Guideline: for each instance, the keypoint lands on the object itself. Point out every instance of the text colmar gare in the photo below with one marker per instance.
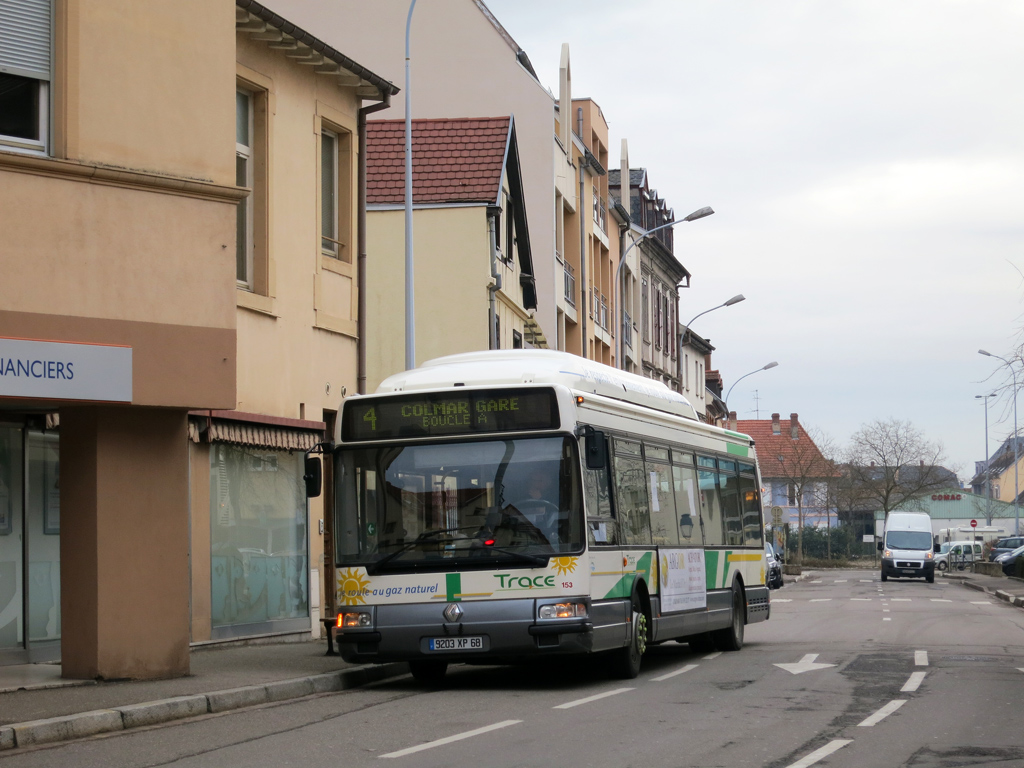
(457, 414)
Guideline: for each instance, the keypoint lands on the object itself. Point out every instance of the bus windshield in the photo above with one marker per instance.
(458, 504)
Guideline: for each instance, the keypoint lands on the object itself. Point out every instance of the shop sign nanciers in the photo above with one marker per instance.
(55, 370)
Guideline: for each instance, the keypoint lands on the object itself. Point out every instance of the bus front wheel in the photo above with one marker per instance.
(629, 658)
(428, 672)
(731, 638)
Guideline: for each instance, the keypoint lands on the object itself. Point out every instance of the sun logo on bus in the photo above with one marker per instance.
(564, 565)
(352, 587)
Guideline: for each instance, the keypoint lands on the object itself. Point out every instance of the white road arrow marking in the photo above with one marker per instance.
(806, 664)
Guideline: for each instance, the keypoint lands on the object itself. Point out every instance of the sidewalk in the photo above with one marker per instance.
(45, 708)
(1009, 589)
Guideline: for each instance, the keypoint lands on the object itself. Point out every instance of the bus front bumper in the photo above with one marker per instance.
(498, 629)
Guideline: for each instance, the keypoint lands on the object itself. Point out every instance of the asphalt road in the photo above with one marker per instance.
(897, 674)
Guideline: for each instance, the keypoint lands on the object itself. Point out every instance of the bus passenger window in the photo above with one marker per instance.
(664, 526)
(728, 485)
(684, 480)
(631, 496)
(601, 527)
(711, 505)
(750, 502)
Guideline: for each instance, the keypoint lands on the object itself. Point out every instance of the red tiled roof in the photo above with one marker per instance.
(770, 447)
(453, 161)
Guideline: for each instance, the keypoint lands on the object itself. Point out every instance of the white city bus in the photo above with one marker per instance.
(497, 507)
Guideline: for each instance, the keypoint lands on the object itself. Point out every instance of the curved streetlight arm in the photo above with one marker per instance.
(725, 400)
(698, 214)
(734, 300)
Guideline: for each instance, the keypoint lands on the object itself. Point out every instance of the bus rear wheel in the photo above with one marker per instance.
(628, 659)
(731, 638)
(428, 672)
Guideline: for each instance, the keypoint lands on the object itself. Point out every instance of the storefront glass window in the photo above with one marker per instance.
(11, 519)
(258, 538)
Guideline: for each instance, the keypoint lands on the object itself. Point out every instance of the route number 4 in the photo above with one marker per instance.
(371, 416)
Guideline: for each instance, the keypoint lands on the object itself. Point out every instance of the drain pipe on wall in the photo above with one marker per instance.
(493, 211)
(361, 242)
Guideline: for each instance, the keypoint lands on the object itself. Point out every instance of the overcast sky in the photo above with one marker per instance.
(866, 164)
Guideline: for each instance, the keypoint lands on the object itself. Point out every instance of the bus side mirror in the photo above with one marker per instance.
(594, 445)
(313, 477)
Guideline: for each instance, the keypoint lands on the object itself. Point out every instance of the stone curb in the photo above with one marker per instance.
(83, 724)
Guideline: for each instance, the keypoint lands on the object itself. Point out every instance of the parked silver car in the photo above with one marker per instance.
(773, 568)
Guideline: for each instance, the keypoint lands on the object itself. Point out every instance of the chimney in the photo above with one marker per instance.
(922, 463)
(732, 420)
(793, 431)
(872, 463)
(776, 427)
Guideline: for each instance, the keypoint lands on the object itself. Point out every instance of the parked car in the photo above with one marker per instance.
(1009, 560)
(1004, 546)
(773, 569)
(957, 554)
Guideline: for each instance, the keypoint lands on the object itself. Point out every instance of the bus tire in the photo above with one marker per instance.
(628, 658)
(731, 638)
(428, 672)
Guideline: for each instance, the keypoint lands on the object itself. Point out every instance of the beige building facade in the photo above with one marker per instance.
(180, 316)
(463, 64)
(117, 207)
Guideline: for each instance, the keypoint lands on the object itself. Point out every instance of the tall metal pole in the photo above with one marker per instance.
(988, 489)
(410, 304)
(1016, 455)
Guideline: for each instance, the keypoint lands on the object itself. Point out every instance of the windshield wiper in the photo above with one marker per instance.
(374, 568)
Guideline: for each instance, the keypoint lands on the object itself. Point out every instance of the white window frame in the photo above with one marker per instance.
(329, 244)
(246, 152)
(33, 146)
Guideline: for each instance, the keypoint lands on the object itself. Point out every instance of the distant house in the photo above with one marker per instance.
(474, 273)
(794, 473)
(1000, 472)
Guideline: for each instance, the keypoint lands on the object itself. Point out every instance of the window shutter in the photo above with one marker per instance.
(25, 38)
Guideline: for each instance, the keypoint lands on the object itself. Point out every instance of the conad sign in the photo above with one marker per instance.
(57, 370)
(945, 497)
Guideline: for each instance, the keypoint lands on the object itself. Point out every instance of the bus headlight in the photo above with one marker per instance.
(563, 611)
(354, 619)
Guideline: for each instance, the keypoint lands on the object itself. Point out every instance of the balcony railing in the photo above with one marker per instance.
(570, 283)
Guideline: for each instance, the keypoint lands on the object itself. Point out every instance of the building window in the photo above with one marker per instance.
(792, 495)
(645, 309)
(244, 134)
(24, 75)
(686, 373)
(329, 193)
(517, 340)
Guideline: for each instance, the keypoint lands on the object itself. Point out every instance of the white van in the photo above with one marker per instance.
(907, 546)
(958, 554)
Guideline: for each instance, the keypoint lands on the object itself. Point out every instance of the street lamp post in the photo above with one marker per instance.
(1016, 481)
(728, 303)
(988, 492)
(700, 213)
(772, 364)
(410, 310)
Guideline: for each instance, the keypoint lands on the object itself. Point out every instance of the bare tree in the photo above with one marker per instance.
(890, 462)
(810, 472)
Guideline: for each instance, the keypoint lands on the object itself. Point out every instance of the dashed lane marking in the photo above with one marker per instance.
(916, 678)
(450, 739)
(679, 671)
(883, 713)
(862, 599)
(940, 600)
(901, 599)
(588, 699)
(819, 754)
(886, 619)
(711, 656)
(920, 658)
(783, 600)
(840, 581)
(821, 599)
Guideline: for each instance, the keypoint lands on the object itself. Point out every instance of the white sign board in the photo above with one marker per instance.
(56, 370)
(683, 580)
(868, 537)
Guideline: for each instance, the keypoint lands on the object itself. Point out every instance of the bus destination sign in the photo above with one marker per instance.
(446, 413)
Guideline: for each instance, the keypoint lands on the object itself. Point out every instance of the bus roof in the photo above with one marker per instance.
(504, 367)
